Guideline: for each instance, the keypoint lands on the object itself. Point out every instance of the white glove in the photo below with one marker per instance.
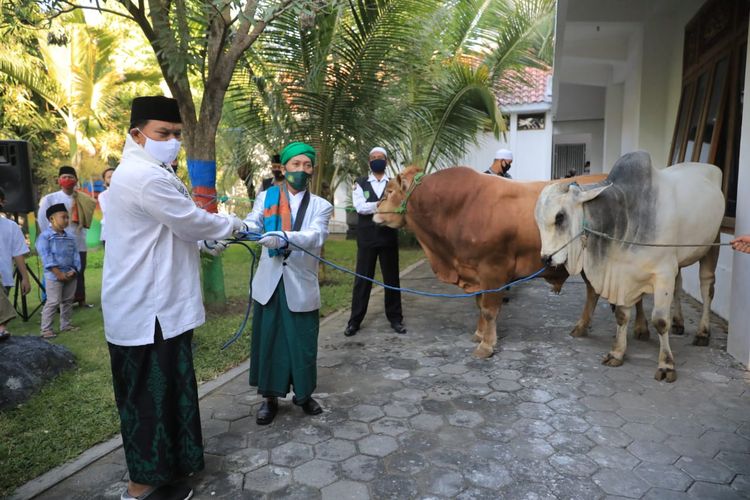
(213, 247)
(237, 225)
(273, 239)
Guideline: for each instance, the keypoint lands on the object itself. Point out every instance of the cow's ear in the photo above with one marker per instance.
(582, 196)
(403, 183)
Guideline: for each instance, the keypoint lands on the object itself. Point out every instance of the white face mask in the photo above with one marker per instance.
(164, 151)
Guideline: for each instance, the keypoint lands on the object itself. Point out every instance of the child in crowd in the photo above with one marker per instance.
(59, 253)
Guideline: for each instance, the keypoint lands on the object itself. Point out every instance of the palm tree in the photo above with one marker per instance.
(417, 76)
(468, 61)
(75, 75)
(321, 78)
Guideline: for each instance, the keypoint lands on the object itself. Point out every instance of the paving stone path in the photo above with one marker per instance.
(416, 416)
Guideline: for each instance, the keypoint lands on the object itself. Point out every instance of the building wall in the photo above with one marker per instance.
(532, 151)
(342, 198)
(612, 127)
(661, 79)
(738, 344)
(590, 132)
(580, 102)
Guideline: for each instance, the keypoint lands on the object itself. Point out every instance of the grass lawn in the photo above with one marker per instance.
(77, 410)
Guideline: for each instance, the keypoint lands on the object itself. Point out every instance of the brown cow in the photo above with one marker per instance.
(478, 232)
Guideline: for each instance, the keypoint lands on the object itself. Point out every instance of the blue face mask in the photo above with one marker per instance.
(377, 166)
(298, 180)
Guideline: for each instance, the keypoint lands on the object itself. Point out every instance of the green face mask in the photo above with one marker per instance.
(298, 180)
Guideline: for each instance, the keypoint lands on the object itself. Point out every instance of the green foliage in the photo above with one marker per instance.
(77, 410)
(416, 76)
(72, 85)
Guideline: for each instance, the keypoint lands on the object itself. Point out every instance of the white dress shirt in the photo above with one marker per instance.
(103, 206)
(79, 234)
(151, 261)
(12, 244)
(359, 200)
(299, 270)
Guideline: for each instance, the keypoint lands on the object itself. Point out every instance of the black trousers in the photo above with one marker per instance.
(80, 295)
(366, 259)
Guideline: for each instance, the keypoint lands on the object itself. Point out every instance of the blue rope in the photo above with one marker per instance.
(241, 329)
(250, 236)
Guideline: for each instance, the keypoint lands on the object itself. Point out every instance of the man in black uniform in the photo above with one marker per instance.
(374, 242)
(501, 164)
(278, 175)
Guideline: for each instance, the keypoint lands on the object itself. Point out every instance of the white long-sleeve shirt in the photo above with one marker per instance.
(72, 229)
(151, 261)
(361, 205)
(103, 197)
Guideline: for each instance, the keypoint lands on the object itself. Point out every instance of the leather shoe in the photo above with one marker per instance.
(398, 327)
(267, 411)
(311, 407)
(350, 330)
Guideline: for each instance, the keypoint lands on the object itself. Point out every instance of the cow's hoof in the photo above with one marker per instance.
(476, 338)
(483, 352)
(701, 340)
(641, 333)
(668, 375)
(610, 360)
(678, 329)
(579, 331)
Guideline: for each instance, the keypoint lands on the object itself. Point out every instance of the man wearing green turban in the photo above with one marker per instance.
(286, 295)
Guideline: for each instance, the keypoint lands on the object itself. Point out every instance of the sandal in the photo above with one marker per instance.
(48, 335)
(70, 328)
(4, 335)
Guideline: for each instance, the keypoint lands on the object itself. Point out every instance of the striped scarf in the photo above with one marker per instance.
(277, 215)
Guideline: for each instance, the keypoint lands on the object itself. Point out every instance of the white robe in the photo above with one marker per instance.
(151, 263)
(102, 199)
(299, 270)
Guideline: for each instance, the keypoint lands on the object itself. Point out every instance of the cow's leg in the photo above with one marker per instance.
(661, 318)
(582, 327)
(708, 278)
(481, 323)
(617, 354)
(678, 322)
(641, 324)
(489, 309)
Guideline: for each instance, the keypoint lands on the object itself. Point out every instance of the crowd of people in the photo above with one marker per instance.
(151, 295)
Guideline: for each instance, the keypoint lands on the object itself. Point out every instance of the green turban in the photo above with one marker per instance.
(297, 148)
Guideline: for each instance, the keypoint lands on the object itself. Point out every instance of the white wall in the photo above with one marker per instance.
(612, 126)
(590, 132)
(661, 79)
(580, 102)
(341, 199)
(532, 151)
(631, 97)
(738, 344)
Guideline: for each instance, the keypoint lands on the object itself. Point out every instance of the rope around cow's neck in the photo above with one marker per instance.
(587, 229)
(402, 208)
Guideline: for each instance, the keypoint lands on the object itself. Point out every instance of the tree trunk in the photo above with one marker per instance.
(200, 145)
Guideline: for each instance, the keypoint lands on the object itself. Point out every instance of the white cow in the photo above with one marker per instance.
(682, 204)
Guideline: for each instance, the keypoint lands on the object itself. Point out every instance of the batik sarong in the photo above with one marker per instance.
(157, 399)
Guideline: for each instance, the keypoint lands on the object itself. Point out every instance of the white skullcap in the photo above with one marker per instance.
(504, 154)
(378, 149)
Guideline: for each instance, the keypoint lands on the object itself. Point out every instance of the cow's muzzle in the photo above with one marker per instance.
(547, 260)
